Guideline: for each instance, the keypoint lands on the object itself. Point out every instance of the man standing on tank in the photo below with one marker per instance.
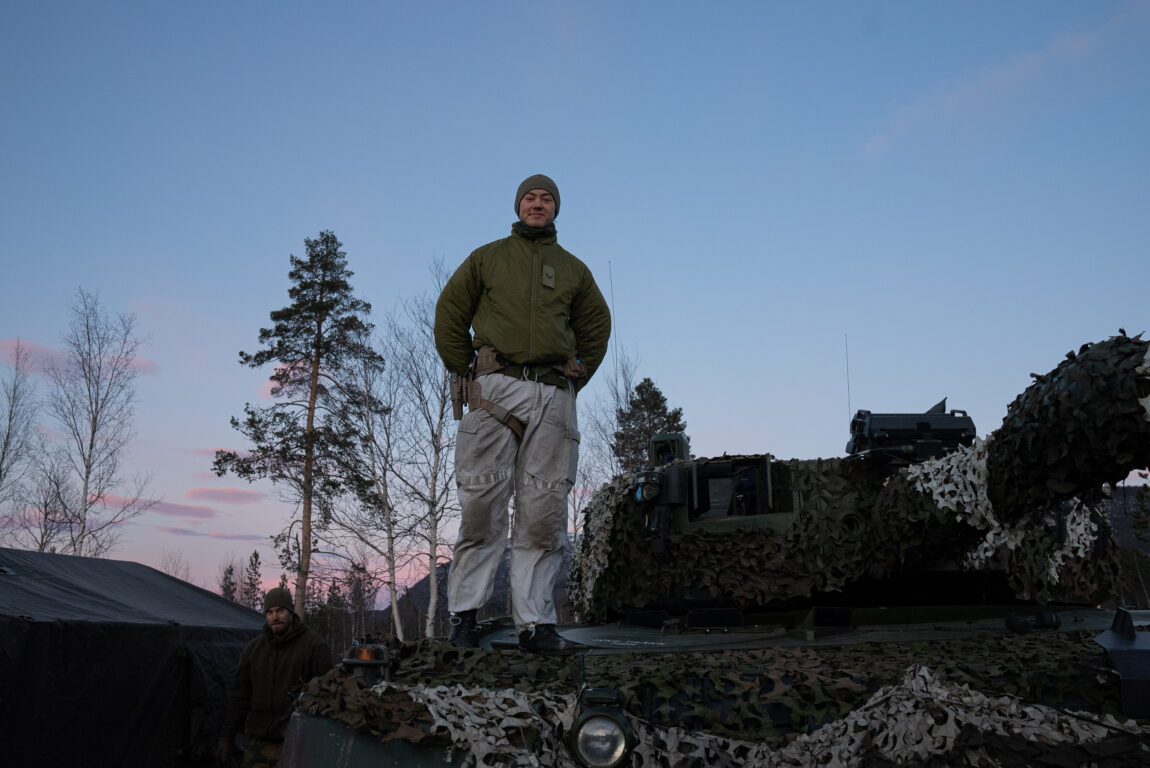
(541, 329)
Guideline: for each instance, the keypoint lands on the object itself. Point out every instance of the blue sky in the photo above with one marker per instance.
(956, 193)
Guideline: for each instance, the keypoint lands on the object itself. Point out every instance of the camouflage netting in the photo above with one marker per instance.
(1043, 698)
(389, 714)
(922, 722)
(1084, 423)
(825, 548)
(1050, 554)
(1036, 699)
(850, 527)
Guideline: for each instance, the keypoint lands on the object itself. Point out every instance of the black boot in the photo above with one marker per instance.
(464, 633)
(546, 641)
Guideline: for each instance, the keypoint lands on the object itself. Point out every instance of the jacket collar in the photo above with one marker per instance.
(545, 234)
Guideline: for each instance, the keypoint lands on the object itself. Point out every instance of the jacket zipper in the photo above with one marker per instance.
(536, 259)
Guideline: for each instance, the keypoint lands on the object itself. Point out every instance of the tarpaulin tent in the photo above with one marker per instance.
(106, 662)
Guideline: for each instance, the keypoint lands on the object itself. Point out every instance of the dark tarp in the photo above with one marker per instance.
(106, 662)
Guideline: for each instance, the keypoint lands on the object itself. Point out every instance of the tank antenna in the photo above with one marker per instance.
(847, 352)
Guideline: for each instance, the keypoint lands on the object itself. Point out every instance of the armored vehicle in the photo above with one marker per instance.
(931, 598)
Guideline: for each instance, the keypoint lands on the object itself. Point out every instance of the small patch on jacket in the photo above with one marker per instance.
(548, 276)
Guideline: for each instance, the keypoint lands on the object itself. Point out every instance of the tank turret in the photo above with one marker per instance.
(918, 496)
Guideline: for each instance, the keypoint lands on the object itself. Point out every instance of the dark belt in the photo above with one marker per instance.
(489, 360)
(541, 373)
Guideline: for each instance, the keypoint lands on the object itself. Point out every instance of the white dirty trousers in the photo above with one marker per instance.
(490, 465)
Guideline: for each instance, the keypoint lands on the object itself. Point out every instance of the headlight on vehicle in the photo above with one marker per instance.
(368, 660)
(601, 736)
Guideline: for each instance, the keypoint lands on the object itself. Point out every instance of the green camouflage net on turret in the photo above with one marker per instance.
(1049, 555)
(852, 526)
(615, 568)
(1003, 503)
(1023, 698)
(1080, 425)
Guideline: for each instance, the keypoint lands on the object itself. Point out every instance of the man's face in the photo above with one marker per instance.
(537, 208)
(279, 619)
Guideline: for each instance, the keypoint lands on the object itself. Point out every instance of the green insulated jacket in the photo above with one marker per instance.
(531, 300)
(271, 673)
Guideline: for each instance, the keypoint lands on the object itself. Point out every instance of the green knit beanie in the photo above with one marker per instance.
(538, 181)
(278, 597)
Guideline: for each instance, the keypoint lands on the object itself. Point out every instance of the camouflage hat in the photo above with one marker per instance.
(278, 597)
(538, 181)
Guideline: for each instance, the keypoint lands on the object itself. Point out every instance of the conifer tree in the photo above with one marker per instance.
(645, 414)
(312, 341)
(228, 584)
(251, 590)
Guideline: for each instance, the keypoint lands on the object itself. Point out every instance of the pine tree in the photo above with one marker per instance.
(335, 599)
(228, 584)
(361, 594)
(296, 444)
(251, 590)
(646, 414)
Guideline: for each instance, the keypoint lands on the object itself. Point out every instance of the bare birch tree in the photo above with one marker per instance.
(17, 430)
(91, 399)
(175, 564)
(367, 519)
(424, 471)
(598, 418)
(38, 519)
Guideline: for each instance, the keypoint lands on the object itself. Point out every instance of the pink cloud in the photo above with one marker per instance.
(213, 534)
(226, 495)
(167, 508)
(163, 306)
(145, 366)
(40, 356)
(182, 510)
(50, 434)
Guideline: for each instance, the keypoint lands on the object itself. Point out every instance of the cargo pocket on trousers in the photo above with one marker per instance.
(476, 463)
